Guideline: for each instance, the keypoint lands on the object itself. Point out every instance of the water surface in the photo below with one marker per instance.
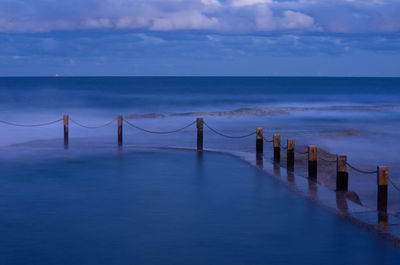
(357, 117)
(168, 207)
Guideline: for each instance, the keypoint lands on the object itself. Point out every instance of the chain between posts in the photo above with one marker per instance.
(159, 132)
(182, 128)
(394, 185)
(92, 127)
(328, 161)
(228, 136)
(360, 170)
(30, 125)
(301, 153)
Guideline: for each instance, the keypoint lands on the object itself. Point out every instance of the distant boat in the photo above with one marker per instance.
(57, 75)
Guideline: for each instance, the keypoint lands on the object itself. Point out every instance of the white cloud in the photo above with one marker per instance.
(240, 3)
(211, 2)
(295, 20)
(186, 20)
(230, 16)
(265, 18)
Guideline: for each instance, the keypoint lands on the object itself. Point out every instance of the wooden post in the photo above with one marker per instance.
(200, 123)
(342, 176)
(259, 141)
(120, 119)
(277, 148)
(290, 155)
(383, 181)
(66, 136)
(312, 162)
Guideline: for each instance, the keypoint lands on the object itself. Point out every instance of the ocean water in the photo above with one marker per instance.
(358, 117)
(168, 207)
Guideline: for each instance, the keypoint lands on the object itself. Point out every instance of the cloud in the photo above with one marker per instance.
(152, 53)
(184, 21)
(229, 16)
(240, 3)
(211, 2)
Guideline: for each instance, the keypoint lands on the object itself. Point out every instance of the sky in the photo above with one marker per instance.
(200, 37)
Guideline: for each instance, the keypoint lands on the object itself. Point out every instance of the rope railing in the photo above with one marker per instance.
(30, 125)
(328, 160)
(268, 141)
(302, 153)
(361, 170)
(394, 185)
(228, 136)
(342, 175)
(159, 132)
(92, 127)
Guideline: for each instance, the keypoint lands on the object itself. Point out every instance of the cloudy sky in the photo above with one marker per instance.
(200, 37)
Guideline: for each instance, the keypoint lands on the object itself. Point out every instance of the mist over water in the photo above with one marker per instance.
(358, 117)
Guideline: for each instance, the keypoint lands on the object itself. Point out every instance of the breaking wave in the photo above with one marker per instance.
(268, 111)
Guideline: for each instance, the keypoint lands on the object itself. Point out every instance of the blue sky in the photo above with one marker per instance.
(200, 37)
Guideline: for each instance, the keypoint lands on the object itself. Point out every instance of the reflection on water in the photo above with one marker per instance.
(313, 188)
(168, 207)
(290, 175)
(341, 201)
(277, 169)
(260, 160)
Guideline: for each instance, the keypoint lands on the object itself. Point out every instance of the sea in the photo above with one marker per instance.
(154, 200)
(155, 207)
(357, 117)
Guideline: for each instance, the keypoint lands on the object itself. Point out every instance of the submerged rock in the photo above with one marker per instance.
(352, 196)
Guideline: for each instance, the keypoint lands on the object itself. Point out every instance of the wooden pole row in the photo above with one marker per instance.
(66, 131)
(342, 176)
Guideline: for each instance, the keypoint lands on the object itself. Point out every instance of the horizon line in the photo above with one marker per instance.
(193, 76)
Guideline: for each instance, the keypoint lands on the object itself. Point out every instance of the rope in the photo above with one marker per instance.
(394, 185)
(229, 136)
(269, 141)
(284, 147)
(328, 161)
(158, 132)
(92, 127)
(302, 153)
(30, 125)
(360, 170)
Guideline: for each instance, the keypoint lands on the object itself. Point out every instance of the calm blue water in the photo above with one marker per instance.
(358, 117)
(168, 207)
(185, 94)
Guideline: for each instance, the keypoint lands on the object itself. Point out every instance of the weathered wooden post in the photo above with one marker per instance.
(383, 181)
(290, 155)
(312, 162)
(342, 176)
(259, 141)
(277, 148)
(200, 123)
(66, 136)
(120, 119)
